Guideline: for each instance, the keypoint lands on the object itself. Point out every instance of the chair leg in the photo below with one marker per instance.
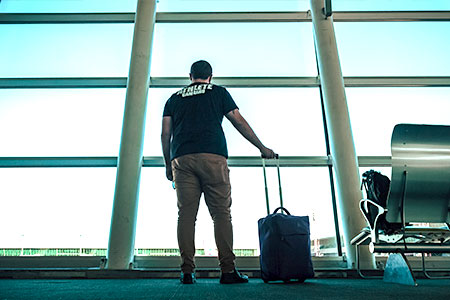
(398, 270)
(427, 275)
(358, 267)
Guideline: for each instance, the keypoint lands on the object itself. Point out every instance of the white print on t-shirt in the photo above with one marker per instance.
(195, 90)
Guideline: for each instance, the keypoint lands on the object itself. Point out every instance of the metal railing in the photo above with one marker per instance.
(158, 161)
(222, 17)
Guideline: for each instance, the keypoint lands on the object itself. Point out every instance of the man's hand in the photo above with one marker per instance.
(169, 174)
(268, 153)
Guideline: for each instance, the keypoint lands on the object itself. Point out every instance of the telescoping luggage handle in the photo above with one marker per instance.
(277, 158)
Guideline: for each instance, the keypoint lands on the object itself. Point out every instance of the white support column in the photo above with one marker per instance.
(124, 214)
(341, 139)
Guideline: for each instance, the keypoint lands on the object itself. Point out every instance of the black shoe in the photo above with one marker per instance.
(187, 278)
(234, 277)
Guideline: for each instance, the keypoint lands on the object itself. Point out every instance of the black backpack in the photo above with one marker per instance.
(377, 189)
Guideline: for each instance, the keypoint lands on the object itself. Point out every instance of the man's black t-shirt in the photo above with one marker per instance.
(197, 112)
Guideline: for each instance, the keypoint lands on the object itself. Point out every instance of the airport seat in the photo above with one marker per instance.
(418, 204)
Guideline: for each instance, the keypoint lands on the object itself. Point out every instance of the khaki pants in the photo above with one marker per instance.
(195, 174)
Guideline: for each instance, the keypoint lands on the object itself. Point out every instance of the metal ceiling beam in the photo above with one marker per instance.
(63, 83)
(397, 81)
(66, 18)
(255, 161)
(161, 82)
(57, 162)
(374, 161)
(231, 82)
(155, 82)
(235, 17)
(157, 161)
(391, 16)
(221, 17)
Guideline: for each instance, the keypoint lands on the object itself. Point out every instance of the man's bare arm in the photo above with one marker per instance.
(244, 128)
(166, 137)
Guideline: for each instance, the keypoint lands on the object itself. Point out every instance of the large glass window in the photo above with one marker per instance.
(375, 111)
(69, 122)
(67, 6)
(288, 120)
(39, 6)
(69, 209)
(103, 50)
(155, 106)
(54, 6)
(65, 50)
(55, 208)
(235, 49)
(231, 5)
(389, 5)
(305, 192)
(394, 48)
(157, 218)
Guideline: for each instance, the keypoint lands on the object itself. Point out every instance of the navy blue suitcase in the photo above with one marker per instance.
(284, 242)
(285, 247)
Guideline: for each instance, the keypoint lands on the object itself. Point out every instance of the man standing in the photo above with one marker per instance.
(195, 154)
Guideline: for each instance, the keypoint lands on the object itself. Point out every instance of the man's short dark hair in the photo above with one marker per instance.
(201, 70)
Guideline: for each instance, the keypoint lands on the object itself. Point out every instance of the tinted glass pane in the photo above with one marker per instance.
(156, 100)
(56, 208)
(157, 218)
(375, 111)
(66, 6)
(388, 5)
(65, 50)
(67, 122)
(103, 50)
(287, 120)
(394, 48)
(235, 49)
(306, 191)
(232, 5)
(39, 6)
(303, 194)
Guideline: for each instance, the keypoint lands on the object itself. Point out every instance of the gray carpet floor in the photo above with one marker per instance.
(88, 289)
